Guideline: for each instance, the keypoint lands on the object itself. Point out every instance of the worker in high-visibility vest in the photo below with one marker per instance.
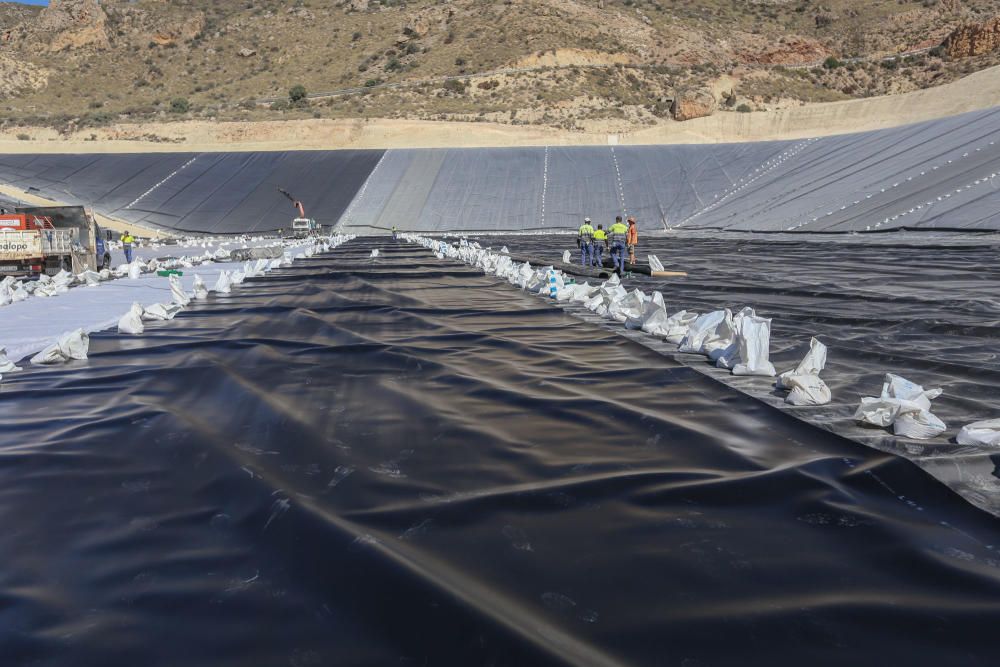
(585, 241)
(616, 240)
(394, 232)
(128, 242)
(600, 243)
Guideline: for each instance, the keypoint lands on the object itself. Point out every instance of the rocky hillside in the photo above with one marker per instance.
(568, 63)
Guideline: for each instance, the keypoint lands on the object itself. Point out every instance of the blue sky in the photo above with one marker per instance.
(31, 2)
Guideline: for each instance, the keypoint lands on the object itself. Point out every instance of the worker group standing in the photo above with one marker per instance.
(128, 243)
(593, 242)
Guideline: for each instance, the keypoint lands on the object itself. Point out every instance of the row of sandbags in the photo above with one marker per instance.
(132, 321)
(739, 342)
(74, 345)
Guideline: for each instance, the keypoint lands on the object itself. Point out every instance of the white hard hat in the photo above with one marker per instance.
(586, 219)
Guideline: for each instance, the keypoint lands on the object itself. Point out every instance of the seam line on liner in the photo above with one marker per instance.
(545, 182)
(618, 175)
(361, 193)
(169, 176)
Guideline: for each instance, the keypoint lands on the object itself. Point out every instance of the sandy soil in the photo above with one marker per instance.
(977, 91)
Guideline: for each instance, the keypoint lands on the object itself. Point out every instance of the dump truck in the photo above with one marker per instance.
(50, 239)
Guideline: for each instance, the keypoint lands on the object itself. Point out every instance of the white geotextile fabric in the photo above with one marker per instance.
(905, 406)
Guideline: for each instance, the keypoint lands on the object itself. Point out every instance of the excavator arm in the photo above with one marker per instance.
(295, 202)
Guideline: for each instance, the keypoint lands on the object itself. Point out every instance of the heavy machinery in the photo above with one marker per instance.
(301, 226)
(50, 239)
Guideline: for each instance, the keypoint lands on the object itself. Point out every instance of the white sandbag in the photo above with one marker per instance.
(905, 406)
(19, 293)
(177, 293)
(652, 308)
(91, 278)
(199, 289)
(984, 433)
(807, 388)
(71, 345)
(104, 274)
(703, 328)
(631, 306)
(131, 322)
(676, 328)
(160, 311)
(5, 295)
(6, 365)
(222, 285)
(811, 364)
(134, 270)
(567, 256)
(654, 263)
(64, 277)
(754, 338)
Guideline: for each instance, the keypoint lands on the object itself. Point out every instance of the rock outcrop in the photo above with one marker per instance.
(65, 24)
(974, 39)
(694, 103)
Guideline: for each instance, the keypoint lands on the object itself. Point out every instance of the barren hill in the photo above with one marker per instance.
(583, 65)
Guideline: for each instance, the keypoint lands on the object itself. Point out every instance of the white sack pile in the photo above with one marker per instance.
(69, 346)
(904, 405)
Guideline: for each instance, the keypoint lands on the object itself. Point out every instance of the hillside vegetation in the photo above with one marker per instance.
(574, 64)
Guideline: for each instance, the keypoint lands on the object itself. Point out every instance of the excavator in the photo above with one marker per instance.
(301, 226)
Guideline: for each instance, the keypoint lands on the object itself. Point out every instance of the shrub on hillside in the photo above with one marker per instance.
(180, 105)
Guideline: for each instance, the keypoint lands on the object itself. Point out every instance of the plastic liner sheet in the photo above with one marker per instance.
(200, 192)
(401, 461)
(927, 309)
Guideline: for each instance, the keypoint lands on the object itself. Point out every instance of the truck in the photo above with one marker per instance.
(301, 226)
(51, 239)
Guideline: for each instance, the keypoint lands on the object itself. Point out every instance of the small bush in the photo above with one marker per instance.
(455, 86)
(180, 105)
(832, 63)
(392, 65)
(280, 105)
(356, 36)
(460, 62)
(24, 137)
(371, 83)
(744, 108)
(297, 94)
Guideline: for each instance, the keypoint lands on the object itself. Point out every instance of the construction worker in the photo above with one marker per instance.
(600, 243)
(616, 241)
(585, 242)
(128, 241)
(631, 239)
(394, 232)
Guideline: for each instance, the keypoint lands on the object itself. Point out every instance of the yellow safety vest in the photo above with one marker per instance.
(600, 235)
(586, 232)
(617, 232)
(128, 240)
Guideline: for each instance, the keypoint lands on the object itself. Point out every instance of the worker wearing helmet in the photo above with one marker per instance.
(631, 239)
(128, 242)
(600, 243)
(394, 232)
(585, 242)
(616, 240)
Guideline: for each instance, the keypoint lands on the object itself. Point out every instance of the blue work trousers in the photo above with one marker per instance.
(618, 256)
(586, 252)
(128, 254)
(597, 256)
